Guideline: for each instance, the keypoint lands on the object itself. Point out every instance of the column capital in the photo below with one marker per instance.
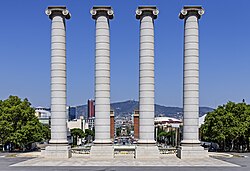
(97, 11)
(52, 11)
(191, 10)
(146, 10)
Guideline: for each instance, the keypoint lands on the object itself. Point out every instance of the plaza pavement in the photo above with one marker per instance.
(169, 160)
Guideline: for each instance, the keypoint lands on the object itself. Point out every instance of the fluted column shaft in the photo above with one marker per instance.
(191, 78)
(58, 76)
(102, 80)
(58, 81)
(146, 85)
(102, 77)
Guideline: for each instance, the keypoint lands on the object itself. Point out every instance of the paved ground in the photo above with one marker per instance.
(241, 159)
(171, 164)
(169, 160)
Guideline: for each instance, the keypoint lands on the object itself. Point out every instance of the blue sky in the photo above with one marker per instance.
(224, 51)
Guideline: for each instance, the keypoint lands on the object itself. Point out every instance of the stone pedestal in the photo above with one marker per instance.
(57, 151)
(186, 152)
(102, 152)
(147, 152)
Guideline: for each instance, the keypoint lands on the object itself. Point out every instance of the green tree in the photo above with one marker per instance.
(76, 133)
(46, 132)
(162, 135)
(166, 137)
(118, 131)
(18, 123)
(5, 126)
(229, 126)
(89, 135)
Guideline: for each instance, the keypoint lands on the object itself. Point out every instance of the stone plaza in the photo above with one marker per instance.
(166, 161)
(103, 147)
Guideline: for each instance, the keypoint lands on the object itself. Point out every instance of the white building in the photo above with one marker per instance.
(167, 121)
(43, 115)
(77, 123)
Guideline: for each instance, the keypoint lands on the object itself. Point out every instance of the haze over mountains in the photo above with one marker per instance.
(126, 108)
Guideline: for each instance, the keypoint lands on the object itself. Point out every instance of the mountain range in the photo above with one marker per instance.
(126, 108)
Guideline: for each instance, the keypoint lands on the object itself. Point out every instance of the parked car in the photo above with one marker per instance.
(214, 147)
(211, 146)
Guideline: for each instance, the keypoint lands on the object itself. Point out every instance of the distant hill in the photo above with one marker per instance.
(127, 108)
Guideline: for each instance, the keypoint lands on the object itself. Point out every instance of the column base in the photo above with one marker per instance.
(189, 151)
(57, 151)
(102, 151)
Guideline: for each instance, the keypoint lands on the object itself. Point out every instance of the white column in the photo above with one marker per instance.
(102, 74)
(190, 145)
(146, 15)
(58, 74)
(191, 76)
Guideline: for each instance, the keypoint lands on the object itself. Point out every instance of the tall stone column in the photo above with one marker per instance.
(58, 144)
(102, 82)
(190, 145)
(146, 15)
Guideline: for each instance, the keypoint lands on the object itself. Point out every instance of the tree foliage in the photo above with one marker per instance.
(229, 126)
(165, 137)
(89, 135)
(18, 123)
(89, 132)
(77, 133)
